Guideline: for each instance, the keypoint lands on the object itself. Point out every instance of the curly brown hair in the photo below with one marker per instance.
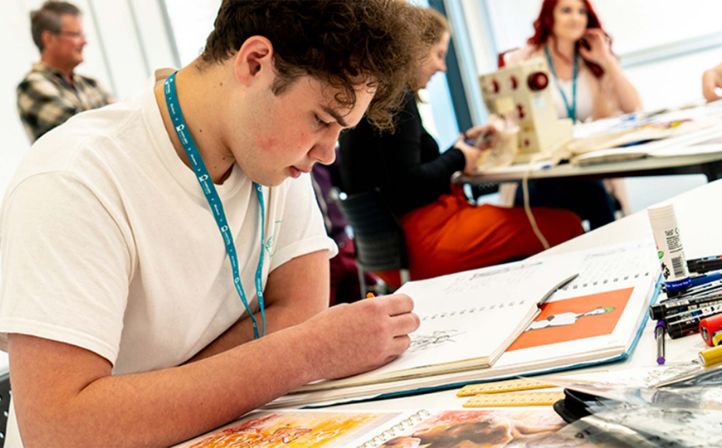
(343, 43)
(431, 25)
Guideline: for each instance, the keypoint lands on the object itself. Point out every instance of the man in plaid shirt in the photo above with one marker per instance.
(52, 93)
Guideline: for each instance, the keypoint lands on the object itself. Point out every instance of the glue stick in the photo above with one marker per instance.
(669, 247)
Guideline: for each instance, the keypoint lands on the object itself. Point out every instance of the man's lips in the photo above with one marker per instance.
(296, 172)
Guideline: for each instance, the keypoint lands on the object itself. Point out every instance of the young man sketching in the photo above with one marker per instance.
(137, 238)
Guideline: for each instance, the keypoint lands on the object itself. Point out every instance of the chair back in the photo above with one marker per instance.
(4, 405)
(378, 236)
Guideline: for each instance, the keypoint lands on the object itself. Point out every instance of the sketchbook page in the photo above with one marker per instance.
(467, 319)
(598, 315)
(299, 429)
(475, 428)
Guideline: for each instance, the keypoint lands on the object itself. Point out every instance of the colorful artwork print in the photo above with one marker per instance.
(497, 428)
(574, 319)
(290, 430)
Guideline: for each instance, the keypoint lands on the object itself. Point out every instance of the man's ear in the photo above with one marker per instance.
(254, 60)
(46, 37)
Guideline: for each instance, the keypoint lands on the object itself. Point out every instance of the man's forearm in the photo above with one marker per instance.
(295, 292)
(278, 317)
(164, 407)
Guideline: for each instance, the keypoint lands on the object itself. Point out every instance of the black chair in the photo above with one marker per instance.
(378, 236)
(4, 404)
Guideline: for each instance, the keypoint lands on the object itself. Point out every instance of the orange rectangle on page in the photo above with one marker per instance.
(575, 318)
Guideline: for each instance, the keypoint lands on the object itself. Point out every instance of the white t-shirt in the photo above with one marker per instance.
(108, 243)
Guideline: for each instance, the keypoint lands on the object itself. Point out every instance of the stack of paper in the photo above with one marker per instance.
(666, 134)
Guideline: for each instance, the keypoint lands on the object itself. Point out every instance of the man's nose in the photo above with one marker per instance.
(325, 151)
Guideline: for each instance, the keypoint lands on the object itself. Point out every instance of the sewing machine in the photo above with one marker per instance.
(522, 94)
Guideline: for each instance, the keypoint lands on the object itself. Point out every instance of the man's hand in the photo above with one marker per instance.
(358, 337)
(711, 81)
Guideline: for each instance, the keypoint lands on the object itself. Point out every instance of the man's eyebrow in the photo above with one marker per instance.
(336, 116)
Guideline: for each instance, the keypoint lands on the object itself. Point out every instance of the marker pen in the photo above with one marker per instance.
(717, 338)
(694, 312)
(705, 264)
(685, 327)
(709, 326)
(698, 284)
(714, 285)
(661, 310)
(711, 356)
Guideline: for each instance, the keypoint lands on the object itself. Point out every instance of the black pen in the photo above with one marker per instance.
(694, 312)
(685, 327)
(661, 310)
(705, 264)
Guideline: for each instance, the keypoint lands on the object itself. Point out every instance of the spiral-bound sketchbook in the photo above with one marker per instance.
(468, 319)
(596, 318)
(386, 429)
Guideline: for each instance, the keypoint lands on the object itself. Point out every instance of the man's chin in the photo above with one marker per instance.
(271, 182)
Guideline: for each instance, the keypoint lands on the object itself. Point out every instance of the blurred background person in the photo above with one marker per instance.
(711, 81)
(52, 92)
(588, 84)
(444, 233)
(343, 269)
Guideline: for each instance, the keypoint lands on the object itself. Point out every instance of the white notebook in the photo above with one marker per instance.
(468, 319)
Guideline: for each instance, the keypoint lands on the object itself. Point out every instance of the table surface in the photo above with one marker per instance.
(708, 164)
(699, 220)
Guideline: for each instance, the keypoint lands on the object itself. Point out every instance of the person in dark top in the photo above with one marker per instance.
(344, 271)
(444, 232)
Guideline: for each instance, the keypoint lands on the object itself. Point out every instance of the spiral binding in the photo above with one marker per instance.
(398, 429)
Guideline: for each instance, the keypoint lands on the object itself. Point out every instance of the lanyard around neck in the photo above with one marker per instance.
(215, 204)
(570, 107)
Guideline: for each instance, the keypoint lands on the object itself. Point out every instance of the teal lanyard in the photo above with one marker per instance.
(215, 204)
(571, 108)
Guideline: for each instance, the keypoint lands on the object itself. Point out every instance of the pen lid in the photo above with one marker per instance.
(665, 211)
(711, 356)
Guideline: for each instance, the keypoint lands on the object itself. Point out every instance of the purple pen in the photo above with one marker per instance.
(659, 336)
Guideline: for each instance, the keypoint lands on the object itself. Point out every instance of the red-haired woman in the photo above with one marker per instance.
(588, 84)
(569, 36)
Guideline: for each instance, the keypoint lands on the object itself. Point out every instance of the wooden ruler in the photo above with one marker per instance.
(500, 387)
(514, 399)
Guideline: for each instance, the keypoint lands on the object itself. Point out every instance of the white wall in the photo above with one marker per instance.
(191, 23)
(20, 51)
(126, 39)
